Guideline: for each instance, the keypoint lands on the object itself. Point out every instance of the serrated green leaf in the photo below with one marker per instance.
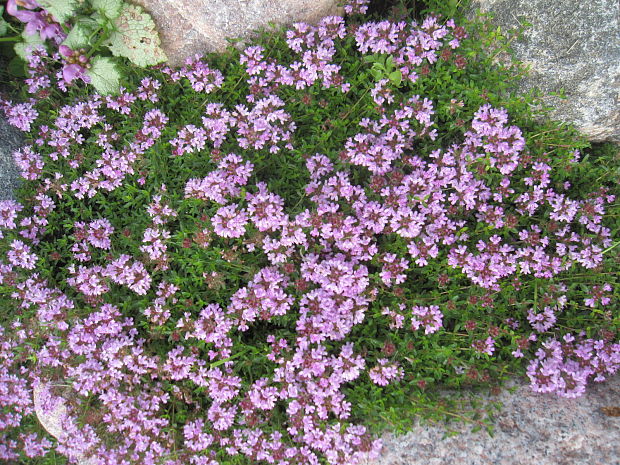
(111, 9)
(135, 37)
(78, 36)
(104, 76)
(99, 18)
(30, 41)
(61, 10)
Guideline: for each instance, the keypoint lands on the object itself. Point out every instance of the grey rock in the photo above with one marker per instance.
(11, 139)
(572, 45)
(531, 428)
(188, 27)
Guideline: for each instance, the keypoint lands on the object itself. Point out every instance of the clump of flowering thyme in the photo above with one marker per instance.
(217, 261)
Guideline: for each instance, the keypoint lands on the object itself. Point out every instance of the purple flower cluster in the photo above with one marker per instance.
(221, 184)
(385, 372)
(47, 27)
(356, 7)
(20, 115)
(565, 366)
(16, 400)
(486, 346)
(410, 47)
(94, 234)
(115, 165)
(155, 237)
(429, 317)
(199, 74)
(600, 295)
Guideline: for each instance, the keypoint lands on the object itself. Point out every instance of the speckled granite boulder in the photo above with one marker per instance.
(188, 27)
(10, 140)
(575, 46)
(531, 429)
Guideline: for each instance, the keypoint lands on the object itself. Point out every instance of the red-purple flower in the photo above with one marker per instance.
(36, 21)
(75, 64)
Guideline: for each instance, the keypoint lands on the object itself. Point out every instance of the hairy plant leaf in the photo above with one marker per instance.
(79, 35)
(110, 8)
(136, 37)
(61, 10)
(30, 41)
(104, 75)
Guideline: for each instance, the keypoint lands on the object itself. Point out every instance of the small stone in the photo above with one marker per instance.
(52, 419)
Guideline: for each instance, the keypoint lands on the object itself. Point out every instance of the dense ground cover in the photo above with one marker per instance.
(269, 256)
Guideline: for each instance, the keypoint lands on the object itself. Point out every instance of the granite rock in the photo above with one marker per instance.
(531, 428)
(574, 46)
(11, 139)
(188, 27)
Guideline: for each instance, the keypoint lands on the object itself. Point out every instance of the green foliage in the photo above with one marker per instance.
(80, 35)
(383, 67)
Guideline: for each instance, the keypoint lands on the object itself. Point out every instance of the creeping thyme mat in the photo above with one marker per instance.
(269, 256)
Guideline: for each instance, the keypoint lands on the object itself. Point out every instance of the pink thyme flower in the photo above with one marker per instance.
(356, 7)
(429, 317)
(21, 255)
(486, 346)
(8, 213)
(229, 221)
(99, 232)
(385, 372)
(133, 275)
(20, 115)
(599, 295)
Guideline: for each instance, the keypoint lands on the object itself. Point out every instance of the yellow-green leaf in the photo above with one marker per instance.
(111, 9)
(78, 36)
(135, 37)
(61, 10)
(104, 76)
